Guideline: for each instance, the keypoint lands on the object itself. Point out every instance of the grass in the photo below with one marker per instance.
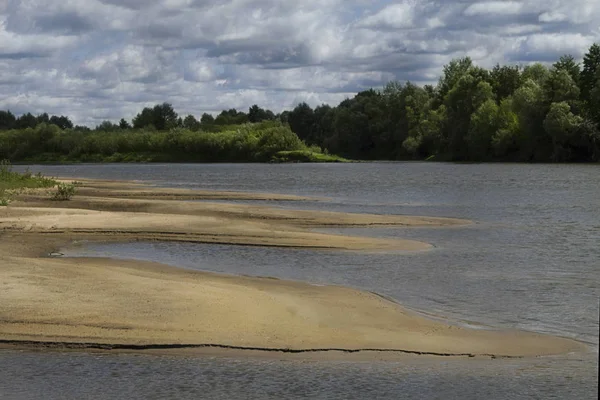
(13, 183)
(306, 156)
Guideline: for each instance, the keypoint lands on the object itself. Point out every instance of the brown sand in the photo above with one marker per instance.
(137, 305)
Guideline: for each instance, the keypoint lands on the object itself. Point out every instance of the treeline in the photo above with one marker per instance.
(261, 142)
(508, 113)
(160, 117)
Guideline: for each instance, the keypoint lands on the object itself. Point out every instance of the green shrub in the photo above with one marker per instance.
(64, 191)
(5, 198)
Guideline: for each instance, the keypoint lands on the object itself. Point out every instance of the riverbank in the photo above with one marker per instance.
(134, 305)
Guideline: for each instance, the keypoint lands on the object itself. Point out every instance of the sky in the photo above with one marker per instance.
(96, 60)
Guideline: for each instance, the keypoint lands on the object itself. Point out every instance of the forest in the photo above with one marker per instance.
(535, 113)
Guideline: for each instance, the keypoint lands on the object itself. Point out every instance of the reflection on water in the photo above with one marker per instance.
(532, 261)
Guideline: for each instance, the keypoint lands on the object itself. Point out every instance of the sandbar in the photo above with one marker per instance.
(112, 305)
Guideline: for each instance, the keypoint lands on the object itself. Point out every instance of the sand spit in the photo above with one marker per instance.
(104, 304)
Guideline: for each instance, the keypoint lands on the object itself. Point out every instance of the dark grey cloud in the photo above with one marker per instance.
(105, 59)
(68, 23)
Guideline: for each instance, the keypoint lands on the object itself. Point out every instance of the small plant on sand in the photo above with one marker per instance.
(5, 198)
(64, 191)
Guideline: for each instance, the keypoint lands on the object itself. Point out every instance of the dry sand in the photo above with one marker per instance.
(105, 303)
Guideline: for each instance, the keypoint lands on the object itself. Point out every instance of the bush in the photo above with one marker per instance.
(5, 198)
(64, 191)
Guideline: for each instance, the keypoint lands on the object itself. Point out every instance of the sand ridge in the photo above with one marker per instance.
(107, 303)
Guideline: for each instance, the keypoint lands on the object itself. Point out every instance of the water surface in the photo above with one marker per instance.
(531, 261)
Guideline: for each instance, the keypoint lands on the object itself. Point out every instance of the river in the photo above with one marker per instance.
(531, 261)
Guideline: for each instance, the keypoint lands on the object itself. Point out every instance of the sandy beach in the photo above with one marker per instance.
(133, 305)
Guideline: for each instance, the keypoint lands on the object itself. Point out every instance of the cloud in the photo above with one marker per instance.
(395, 16)
(107, 59)
(494, 8)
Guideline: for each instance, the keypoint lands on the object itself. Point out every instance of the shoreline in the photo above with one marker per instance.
(126, 305)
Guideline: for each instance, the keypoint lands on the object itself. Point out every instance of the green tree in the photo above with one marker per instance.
(431, 132)
(161, 116)
(107, 126)
(257, 114)
(123, 124)
(537, 72)
(43, 118)
(529, 103)
(505, 140)
(7, 120)
(591, 64)
(164, 116)
(26, 121)
(302, 120)
(562, 126)
(567, 63)
(483, 127)
(462, 100)
(452, 73)
(190, 122)
(207, 119)
(62, 122)
(560, 86)
(143, 119)
(505, 80)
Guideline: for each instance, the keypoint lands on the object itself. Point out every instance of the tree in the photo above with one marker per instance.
(26, 121)
(467, 95)
(207, 119)
(257, 114)
(143, 119)
(431, 129)
(301, 120)
(591, 64)
(43, 118)
(190, 122)
(322, 125)
(483, 127)
(537, 72)
(529, 103)
(123, 124)
(404, 107)
(594, 100)
(161, 116)
(567, 63)
(231, 117)
(107, 126)
(505, 140)
(505, 80)
(453, 71)
(7, 120)
(62, 122)
(560, 86)
(165, 116)
(562, 126)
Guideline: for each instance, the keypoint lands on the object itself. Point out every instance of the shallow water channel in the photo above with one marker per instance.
(531, 261)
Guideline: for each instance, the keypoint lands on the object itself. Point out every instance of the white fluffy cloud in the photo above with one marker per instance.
(106, 59)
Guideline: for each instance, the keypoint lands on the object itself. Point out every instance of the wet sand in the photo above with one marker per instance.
(103, 304)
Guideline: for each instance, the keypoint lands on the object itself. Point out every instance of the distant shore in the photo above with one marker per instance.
(118, 305)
